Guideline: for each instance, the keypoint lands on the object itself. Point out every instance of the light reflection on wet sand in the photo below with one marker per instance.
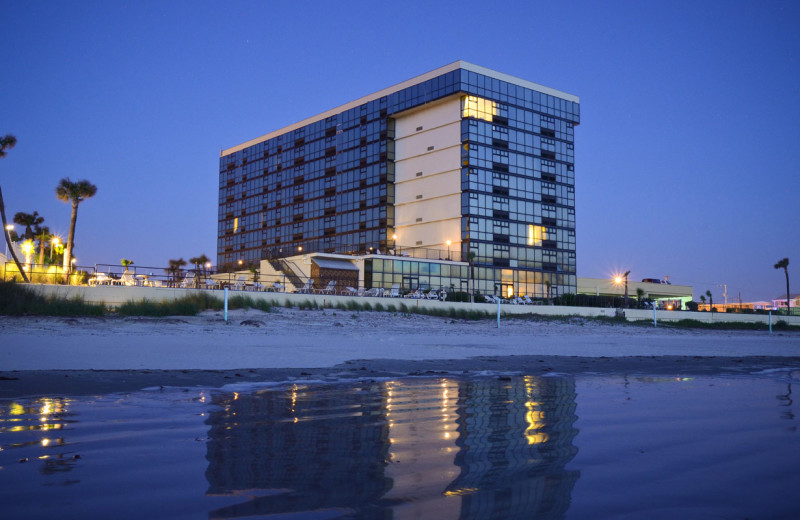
(509, 447)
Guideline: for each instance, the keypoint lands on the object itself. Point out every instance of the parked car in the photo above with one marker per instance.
(655, 280)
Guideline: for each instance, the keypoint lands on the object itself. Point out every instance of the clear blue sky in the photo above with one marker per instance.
(687, 157)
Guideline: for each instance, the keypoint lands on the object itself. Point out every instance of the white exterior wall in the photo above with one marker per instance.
(428, 176)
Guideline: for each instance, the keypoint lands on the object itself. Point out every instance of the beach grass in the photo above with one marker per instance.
(17, 300)
(189, 305)
(779, 325)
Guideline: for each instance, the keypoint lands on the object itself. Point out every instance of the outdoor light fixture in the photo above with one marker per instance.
(300, 248)
(9, 228)
(620, 278)
(54, 242)
(27, 248)
(448, 249)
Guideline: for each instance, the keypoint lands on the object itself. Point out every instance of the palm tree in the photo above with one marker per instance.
(199, 267)
(42, 235)
(703, 299)
(710, 301)
(75, 193)
(784, 264)
(7, 142)
(125, 263)
(30, 221)
(199, 263)
(174, 269)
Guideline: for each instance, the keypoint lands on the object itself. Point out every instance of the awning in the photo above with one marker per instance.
(330, 263)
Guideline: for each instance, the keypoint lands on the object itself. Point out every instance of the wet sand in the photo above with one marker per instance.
(87, 356)
(91, 382)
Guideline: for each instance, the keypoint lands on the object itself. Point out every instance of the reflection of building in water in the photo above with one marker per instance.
(311, 450)
(414, 448)
(423, 429)
(515, 441)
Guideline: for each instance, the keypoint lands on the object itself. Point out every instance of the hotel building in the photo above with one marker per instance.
(461, 178)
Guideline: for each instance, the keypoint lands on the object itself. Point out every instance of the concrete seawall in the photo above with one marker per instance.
(114, 295)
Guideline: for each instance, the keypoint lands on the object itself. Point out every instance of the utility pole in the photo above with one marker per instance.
(724, 294)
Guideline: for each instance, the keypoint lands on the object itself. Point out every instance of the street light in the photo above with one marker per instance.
(9, 229)
(619, 279)
(448, 249)
(27, 248)
(54, 242)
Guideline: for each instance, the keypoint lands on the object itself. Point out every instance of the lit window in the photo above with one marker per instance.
(473, 106)
(536, 234)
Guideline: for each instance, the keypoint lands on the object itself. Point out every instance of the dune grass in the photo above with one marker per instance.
(189, 305)
(18, 300)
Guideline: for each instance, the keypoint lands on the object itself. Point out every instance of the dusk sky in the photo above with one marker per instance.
(687, 156)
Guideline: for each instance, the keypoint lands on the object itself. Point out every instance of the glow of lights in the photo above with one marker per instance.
(241, 262)
(300, 248)
(235, 396)
(236, 225)
(460, 492)
(617, 280)
(27, 248)
(479, 108)
(45, 442)
(10, 227)
(510, 292)
(536, 234)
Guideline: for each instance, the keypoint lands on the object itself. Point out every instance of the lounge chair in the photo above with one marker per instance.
(350, 291)
(433, 294)
(415, 295)
(394, 292)
(126, 279)
(375, 291)
(276, 287)
(307, 288)
(490, 299)
(189, 281)
(328, 288)
(100, 279)
(240, 284)
(527, 300)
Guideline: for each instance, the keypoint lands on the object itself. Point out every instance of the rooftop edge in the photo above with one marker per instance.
(459, 64)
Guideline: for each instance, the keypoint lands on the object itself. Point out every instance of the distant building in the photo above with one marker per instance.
(779, 302)
(667, 296)
(466, 172)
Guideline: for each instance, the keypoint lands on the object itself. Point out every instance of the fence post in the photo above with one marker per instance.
(655, 323)
(226, 304)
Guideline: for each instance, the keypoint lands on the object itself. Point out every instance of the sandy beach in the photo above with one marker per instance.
(76, 356)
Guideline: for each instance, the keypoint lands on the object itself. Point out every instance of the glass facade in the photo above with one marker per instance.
(329, 186)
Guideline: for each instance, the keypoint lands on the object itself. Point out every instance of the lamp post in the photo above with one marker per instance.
(619, 279)
(448, 249)
(27, 248)
(54, 242)
(9, 228)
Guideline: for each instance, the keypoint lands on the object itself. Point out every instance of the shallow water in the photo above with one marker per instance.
(482, 447)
